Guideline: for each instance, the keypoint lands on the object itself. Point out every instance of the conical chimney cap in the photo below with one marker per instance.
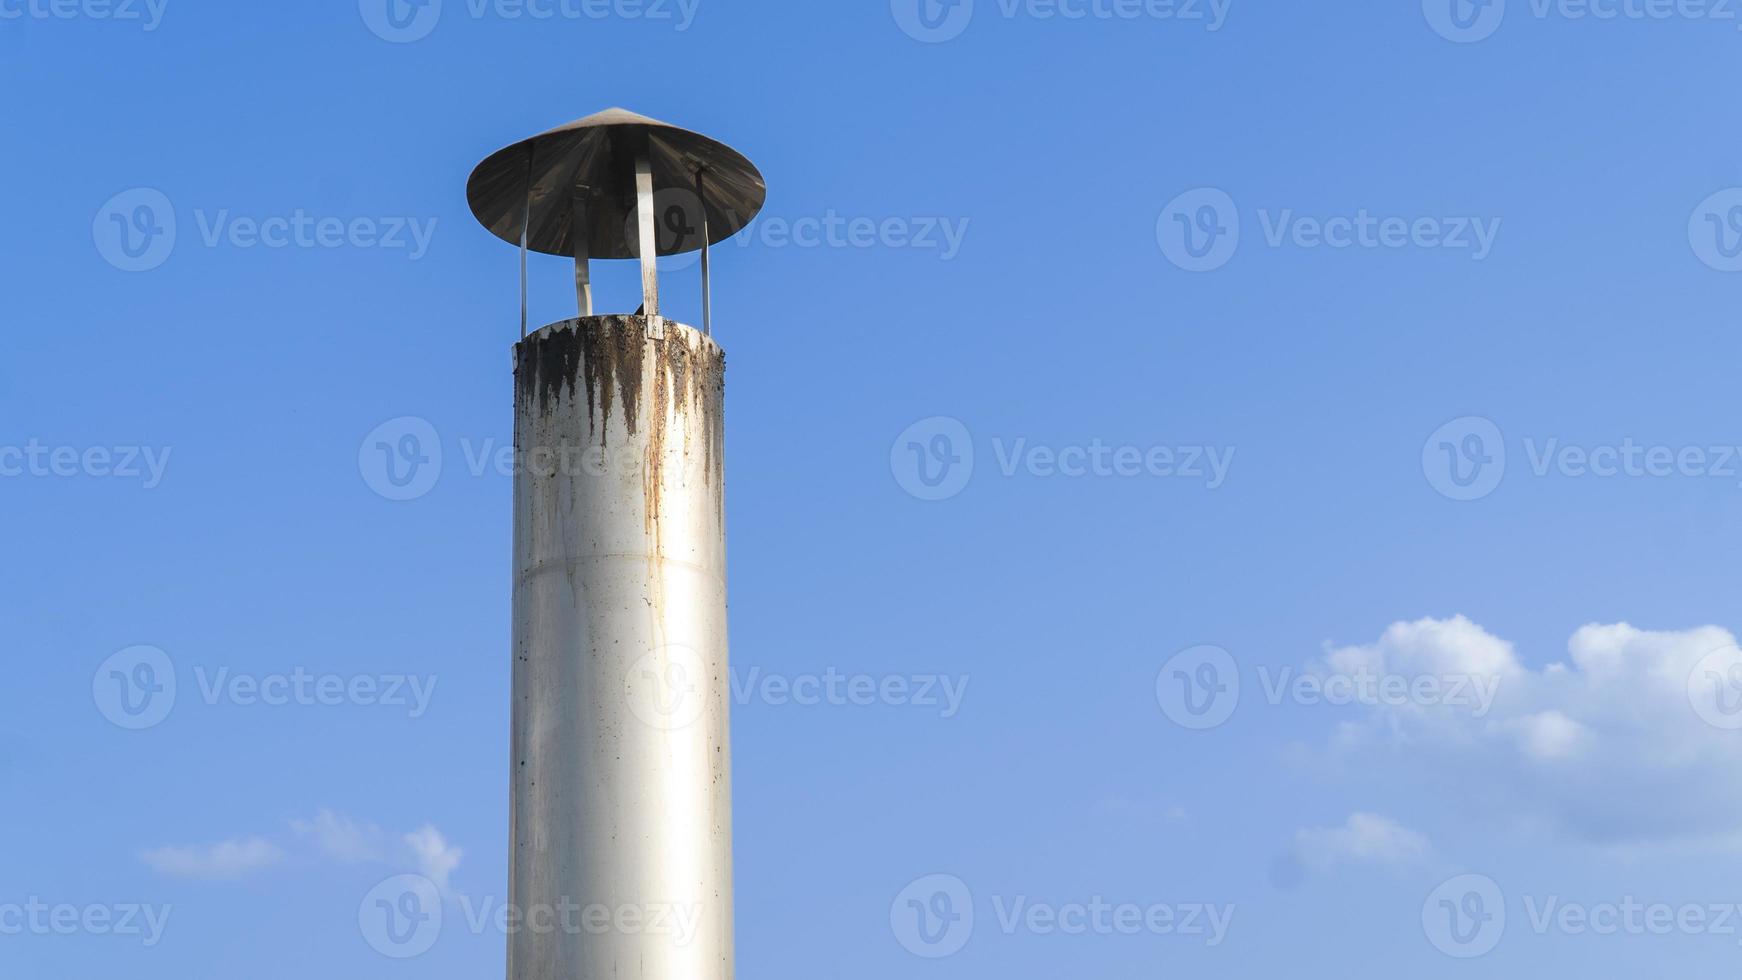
(535, 181)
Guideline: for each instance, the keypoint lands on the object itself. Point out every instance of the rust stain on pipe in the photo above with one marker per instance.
(610, 360)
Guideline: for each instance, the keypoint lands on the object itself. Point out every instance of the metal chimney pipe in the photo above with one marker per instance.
(622, 774)
(622, 811)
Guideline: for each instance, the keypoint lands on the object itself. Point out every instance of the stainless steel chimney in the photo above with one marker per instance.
(622, 774)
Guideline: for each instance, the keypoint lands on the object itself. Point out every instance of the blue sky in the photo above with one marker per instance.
(1104, 375)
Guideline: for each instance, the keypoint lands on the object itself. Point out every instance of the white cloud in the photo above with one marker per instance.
(1434, 647)
(1366, 837)
(330, 836)
(342, 838)
(436, 860)
(230, 859)
(1549, 736)
(1633, 741)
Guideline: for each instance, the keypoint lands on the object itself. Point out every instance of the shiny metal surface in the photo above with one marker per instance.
(622, 802)
(599, 153)
(707, 260)
(648, 236)
(583, 265)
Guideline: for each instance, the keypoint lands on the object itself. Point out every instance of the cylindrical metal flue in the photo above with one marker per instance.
(622, 816)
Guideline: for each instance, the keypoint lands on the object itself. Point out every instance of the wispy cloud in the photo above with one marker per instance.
(1365, 837)
(327, 836)
(341, 838)
(436, 860)
(230, 859)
